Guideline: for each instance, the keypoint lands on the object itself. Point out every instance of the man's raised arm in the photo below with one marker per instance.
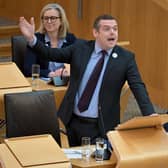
(27, 29)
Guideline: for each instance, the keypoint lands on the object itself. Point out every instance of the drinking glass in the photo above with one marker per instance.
(100, 145)
(35, 75)
(85, 148)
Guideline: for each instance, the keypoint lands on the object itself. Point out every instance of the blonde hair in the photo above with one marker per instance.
(64, 22)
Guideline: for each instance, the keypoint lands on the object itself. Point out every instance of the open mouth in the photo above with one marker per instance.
(111, 39)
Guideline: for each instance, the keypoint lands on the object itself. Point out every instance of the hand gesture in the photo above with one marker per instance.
(59, 72)
(27, 28)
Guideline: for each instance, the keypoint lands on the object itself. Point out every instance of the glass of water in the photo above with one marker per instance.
(86, 148)
(35, 75)
(100, 146)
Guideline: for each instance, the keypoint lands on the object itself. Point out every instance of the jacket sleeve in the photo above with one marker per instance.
(138, 88)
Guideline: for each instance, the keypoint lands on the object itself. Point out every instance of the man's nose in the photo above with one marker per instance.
(112, 30)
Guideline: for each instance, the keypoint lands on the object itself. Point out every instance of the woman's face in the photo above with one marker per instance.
(51, 20)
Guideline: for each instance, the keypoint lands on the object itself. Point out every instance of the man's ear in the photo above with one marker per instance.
(94, 32)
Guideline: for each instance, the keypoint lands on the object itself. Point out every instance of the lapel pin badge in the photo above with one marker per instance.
(114, 55)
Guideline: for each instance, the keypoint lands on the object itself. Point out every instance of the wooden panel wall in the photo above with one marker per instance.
(142, 22)
(15, 8)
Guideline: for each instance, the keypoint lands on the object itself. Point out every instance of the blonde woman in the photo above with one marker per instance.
(53, 32)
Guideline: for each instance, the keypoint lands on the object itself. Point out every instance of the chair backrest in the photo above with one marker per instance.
(31, 113)
(125, 94)
(18, 51)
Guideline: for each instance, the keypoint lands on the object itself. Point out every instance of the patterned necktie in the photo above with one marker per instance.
(87, 94)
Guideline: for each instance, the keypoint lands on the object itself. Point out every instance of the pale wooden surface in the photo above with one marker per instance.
(38, 151)
(11, 76)
(141, 122)
(79, 163)
(7, 160)
(144, 144)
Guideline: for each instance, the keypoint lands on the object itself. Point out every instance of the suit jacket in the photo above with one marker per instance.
(118, 70)
(32, 58)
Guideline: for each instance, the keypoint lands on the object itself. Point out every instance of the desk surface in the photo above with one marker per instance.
(8, 160)
(11, 76)
(92, 163)
(43, 85)
(79, 163)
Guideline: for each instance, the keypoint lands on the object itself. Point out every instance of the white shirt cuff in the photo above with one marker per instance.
(33, 43)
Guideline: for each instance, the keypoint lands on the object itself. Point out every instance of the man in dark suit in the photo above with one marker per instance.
(119, 66)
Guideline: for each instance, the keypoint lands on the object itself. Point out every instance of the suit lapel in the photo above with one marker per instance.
(110, 66)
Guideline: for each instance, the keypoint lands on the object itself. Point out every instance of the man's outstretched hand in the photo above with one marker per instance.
(27, 29)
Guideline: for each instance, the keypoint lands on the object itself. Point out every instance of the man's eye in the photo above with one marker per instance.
(106, 28)
(115, 28)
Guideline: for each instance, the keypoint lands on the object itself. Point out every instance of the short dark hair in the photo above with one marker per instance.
(102, 17)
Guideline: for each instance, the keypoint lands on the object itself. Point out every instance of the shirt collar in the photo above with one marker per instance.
(98, 49)
(60, 42)
(46, 38)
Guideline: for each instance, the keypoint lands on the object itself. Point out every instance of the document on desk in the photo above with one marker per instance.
(73, 153)
(45, 79)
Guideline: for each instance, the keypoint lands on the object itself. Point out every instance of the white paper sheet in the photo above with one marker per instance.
(73, 153)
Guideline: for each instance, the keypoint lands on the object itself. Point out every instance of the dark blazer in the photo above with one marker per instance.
(32, 58)
(118, 70)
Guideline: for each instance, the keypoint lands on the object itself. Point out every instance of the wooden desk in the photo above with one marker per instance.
(15, 153)
(79, 163)
(59, 91)
(140, 142)
(92, 163)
